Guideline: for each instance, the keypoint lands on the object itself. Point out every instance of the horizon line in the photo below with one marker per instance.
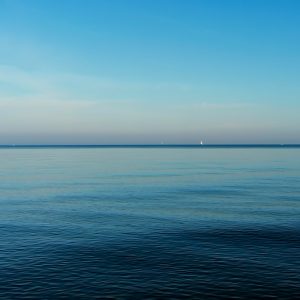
(147, 145)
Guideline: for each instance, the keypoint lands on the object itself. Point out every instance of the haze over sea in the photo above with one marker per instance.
(150, 222)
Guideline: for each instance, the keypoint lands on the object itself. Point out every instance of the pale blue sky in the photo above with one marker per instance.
(147, 71)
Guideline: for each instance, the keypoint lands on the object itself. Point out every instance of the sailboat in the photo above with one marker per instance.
(201, 143)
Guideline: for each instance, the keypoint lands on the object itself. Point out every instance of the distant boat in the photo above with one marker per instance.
(201, 143)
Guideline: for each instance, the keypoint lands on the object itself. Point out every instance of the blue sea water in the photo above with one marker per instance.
(150, 223)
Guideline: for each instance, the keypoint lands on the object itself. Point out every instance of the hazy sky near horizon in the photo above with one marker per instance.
(147, 71)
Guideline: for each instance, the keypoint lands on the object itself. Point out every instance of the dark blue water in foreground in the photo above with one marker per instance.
(141, 223)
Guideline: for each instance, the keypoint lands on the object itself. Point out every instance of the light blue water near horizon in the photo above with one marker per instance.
(136, 223)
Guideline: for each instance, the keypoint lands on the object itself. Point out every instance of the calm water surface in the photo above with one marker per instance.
(150, 223)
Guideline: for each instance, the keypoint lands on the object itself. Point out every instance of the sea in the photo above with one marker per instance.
(150, 222)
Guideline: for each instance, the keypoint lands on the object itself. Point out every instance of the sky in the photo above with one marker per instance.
(149, 71)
